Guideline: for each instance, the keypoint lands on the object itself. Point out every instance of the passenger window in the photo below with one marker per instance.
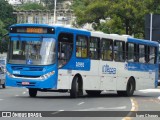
(107, 49)
(94, 48)
(119, 51)
(81, 46)
(130, 56)
(152, 55)
(141, 54)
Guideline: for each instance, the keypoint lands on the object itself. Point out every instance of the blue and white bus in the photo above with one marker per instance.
(61, 59)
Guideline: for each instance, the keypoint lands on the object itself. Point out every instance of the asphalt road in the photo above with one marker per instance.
(17, 99)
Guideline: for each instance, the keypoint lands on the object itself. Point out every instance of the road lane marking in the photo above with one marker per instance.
(16, 95)
(103, 108)
(57, 112)
(24, 92)
(159, 97)
(1, 99)
(60, 110)
(81, 103)
(133, 109)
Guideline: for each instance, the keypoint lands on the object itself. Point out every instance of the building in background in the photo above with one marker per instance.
(64, 15)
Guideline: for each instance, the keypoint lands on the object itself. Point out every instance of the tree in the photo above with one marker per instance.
(3, 31)
(31, 6)
(6, 14)
(6, 19)
(119, 16)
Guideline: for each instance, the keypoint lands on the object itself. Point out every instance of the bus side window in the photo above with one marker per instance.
(107, 49)
(94, 48)
(141, 54)
(152, 55)
(119, 51)
(82, 46)
(130, 55)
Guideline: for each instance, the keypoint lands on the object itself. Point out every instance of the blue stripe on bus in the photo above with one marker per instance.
(141, 67)
(78, 64)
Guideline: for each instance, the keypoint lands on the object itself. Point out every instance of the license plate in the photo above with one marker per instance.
(25, 83)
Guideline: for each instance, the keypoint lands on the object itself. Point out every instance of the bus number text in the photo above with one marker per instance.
(79, 64)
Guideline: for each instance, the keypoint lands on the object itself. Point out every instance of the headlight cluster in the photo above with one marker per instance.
(9, 74)
(45, 76)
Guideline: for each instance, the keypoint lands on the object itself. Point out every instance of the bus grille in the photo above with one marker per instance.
(25, 76)
(27, 68)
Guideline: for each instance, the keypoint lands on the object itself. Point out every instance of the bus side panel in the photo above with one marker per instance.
(91, 79)
(108, 71)
(64, 79)
(122, 76)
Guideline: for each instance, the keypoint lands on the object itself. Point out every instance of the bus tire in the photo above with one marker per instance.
(74, 92)
(3, 86)
(129, 89)
(32, 92)
(93, 92)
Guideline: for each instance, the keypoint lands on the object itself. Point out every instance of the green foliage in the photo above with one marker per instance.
(3, 31)
(121, 16)
(6, 14)
(31, 6)
(6, 19)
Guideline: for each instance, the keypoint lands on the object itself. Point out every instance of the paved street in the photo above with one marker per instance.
(17, 99)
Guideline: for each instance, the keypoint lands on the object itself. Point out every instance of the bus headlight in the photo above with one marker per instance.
(45, 76)
(9, 74)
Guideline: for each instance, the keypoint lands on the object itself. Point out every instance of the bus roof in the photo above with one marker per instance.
(143, 41)
(95, 34)
(68, 29)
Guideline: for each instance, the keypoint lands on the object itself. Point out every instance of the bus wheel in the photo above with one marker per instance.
(93, 92)
(75, 90)
(130, 87)
(129, 90)
(32, 92)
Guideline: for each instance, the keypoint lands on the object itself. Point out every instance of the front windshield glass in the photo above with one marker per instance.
(32, 52)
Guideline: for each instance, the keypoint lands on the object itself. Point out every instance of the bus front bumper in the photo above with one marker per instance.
(41, 83)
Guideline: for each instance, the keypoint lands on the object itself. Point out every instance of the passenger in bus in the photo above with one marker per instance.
(35, 51)
(108, 52)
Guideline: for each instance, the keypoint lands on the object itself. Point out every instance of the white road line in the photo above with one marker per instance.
(57, 112)
(16, 95)
(159, 97)
(80, 103)
(60, 110)
(24, 92)
(1, 99)
(103, 108)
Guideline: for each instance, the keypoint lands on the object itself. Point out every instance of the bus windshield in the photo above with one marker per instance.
(32, 52)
